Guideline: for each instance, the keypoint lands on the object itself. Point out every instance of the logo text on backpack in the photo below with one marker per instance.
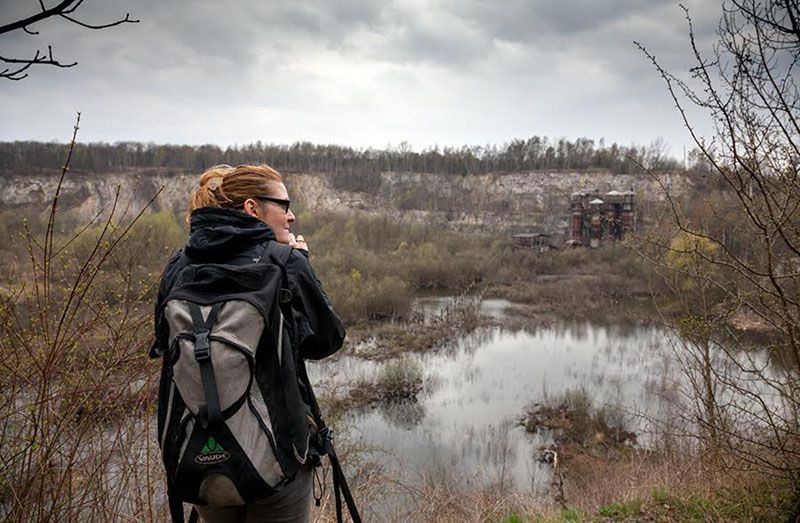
(212, 453)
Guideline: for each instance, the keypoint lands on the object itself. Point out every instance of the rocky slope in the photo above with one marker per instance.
(496, 203)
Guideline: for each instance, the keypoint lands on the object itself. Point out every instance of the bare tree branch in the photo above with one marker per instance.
(43, 14)
(63, 10)
(38, 59)
(127, 19)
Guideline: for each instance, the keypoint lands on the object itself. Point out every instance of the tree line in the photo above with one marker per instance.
(535, 153)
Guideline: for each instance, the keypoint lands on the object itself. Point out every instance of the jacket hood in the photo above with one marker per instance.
(217, 233)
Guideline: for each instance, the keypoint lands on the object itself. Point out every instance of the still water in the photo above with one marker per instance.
(465, 425)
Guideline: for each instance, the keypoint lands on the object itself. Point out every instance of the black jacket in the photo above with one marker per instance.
(230, 236)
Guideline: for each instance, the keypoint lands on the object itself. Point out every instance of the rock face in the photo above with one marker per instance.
(495, 203)
(88, 195)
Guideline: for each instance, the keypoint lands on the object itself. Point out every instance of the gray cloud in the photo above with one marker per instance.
(329, 22)
(521, 20)
(362, 72)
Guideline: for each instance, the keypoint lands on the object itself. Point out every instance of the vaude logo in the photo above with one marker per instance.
(212, 458)
(212, 453)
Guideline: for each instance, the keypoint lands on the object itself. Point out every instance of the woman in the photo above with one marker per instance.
(234, 212)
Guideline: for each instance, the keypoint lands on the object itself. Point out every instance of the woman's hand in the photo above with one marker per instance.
(298, 242)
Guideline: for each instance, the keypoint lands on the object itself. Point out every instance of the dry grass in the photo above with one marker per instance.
(686, 487)
(573, 421)
(440, 503)
(380, 497)
(633, 486)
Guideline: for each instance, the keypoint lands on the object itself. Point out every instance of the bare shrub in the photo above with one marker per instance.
(356, 298)
(400, 379)
(74, 394)
(748, 90)
(572, 418)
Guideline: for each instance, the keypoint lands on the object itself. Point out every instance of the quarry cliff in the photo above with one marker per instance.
(505, 203)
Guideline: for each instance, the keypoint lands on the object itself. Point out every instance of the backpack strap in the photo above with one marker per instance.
(176, 510)
(325, 447)
(280, 254)
(210, 413)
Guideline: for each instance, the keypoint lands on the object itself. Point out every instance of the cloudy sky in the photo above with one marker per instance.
(364, 73)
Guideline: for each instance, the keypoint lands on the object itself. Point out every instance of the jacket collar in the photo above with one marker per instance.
(217, 233)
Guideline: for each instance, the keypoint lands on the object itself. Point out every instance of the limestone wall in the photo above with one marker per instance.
(508, 203)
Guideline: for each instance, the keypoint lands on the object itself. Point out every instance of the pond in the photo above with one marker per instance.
(465, 424)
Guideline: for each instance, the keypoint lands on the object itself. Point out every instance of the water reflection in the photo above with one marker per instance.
(402, 414)
(465, 424)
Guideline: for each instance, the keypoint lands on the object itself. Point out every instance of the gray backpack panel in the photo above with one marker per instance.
(233, 341)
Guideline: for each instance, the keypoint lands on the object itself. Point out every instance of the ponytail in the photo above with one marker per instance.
(210, 192)
(226, 186)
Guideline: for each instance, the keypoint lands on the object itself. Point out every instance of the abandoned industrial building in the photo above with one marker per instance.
(596, 218)
(539, 242)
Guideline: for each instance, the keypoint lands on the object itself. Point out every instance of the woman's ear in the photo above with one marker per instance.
(251, 208)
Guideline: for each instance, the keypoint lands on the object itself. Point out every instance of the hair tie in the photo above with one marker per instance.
(214, 183)
(213, 186)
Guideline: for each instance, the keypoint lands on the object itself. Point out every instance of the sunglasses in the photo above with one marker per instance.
(277, 201)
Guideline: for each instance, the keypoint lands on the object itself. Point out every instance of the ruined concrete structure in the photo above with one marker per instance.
(600, 217)
(539, 242)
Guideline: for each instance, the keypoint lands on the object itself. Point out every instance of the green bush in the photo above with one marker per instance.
(512, 518)
(572, 514)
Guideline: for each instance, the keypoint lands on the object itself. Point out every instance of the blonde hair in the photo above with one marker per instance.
(226, 186)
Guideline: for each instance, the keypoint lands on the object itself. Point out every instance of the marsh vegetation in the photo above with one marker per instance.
(451, 347)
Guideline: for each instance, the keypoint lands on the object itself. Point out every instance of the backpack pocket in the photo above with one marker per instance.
(231, 463)
(232, 344)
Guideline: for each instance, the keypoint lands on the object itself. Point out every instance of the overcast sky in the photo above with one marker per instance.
(354, 72)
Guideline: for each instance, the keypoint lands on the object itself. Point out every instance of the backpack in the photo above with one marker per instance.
(232, 424)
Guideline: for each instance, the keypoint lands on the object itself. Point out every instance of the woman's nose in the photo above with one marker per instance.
(290, 216)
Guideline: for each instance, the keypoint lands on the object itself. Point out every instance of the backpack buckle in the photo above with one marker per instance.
(202, 349)
(326, 441)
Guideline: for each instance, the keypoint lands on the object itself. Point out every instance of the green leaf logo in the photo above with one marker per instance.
(211, 446)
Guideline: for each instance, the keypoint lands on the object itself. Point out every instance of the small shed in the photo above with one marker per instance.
(539, 242)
